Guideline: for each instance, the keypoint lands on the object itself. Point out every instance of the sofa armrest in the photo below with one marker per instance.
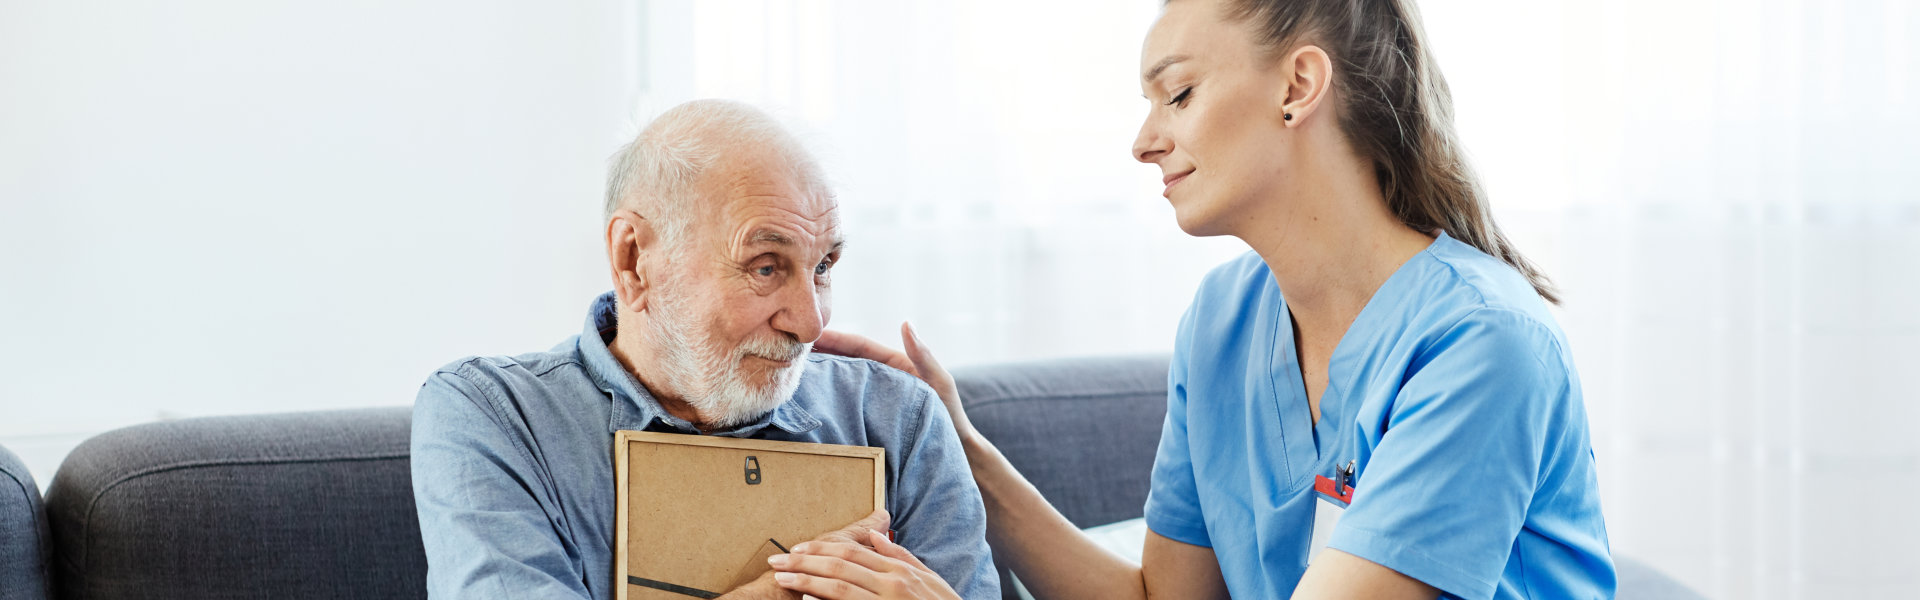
(301, 505)
(24, 548)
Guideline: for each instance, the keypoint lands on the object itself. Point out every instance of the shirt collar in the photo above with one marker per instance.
(635, 408)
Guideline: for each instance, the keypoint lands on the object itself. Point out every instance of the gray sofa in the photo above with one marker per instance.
(24, 551)
(319, 505)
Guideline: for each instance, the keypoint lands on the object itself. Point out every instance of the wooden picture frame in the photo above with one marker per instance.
(697, 516)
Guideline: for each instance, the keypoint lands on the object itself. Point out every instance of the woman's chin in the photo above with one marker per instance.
(1198, 223)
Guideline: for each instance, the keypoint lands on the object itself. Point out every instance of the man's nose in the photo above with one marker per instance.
(803, 312)
(1149, 146)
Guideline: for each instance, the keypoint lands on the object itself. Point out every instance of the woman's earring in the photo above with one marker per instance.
(1288, 116)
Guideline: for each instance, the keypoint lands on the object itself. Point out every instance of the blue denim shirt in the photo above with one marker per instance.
(513, 465)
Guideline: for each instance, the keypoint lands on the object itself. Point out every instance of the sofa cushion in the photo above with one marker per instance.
(23, 533)
(303, 505)
(1083, 431)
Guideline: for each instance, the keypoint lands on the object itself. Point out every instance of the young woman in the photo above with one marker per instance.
(1378, 377)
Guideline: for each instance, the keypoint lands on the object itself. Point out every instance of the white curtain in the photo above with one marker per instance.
(1741, 246)
(982, 162)
(1723, 189)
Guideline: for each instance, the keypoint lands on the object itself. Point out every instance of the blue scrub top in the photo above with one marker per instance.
(1453, 393)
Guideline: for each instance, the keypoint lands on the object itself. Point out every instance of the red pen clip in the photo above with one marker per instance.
(1342, 489)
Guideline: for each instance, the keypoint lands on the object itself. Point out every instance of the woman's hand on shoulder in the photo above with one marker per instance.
(854, 571)
(917, 360)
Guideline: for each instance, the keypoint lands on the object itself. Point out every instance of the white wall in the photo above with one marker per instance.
(226, 207)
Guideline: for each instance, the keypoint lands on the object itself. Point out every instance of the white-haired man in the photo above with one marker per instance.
(722, 237)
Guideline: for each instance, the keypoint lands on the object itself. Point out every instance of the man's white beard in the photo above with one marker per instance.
(709, 377)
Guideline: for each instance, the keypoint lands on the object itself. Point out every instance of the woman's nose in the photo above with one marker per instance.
(1149, 146)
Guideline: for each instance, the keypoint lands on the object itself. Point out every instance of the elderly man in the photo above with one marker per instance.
(722, 238)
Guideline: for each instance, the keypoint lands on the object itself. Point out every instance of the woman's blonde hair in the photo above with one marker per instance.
(1396, 111)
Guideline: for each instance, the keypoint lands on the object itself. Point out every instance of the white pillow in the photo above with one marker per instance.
(1125, 538)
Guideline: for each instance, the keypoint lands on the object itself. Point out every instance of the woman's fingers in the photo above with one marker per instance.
(836, 570)
(850, 552)
(930, 371)
(821, 587)
(857, 346)
(923, 361)
(828, 577)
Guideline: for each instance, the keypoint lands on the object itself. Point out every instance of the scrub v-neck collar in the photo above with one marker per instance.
(1335, 406)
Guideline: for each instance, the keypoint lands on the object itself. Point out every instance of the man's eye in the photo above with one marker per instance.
(823, 267)
(766, 271)
(1181, 98)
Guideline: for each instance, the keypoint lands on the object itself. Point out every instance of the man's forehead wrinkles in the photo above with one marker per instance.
(787, 232)
(760, 231)
(814, 212)
(764, 204)
(769, 236)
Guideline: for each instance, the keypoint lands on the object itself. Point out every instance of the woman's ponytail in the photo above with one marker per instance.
(1395, 110)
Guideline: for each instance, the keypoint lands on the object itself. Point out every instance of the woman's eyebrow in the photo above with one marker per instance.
(1161, 66)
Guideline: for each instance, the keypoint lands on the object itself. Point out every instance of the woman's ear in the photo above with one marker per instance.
(629, 238)
(1309, 74)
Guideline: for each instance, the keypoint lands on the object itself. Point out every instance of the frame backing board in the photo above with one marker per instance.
(698, 515)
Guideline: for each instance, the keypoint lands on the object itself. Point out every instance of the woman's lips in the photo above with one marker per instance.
(1173, 179)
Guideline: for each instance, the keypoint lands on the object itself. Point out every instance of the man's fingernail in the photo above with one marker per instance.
(801, 547)
(784, 577)
(778, 560)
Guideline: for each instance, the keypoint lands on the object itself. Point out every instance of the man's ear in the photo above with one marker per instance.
(630, 237)
(1309, 73)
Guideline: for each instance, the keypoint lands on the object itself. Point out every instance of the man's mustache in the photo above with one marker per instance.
(775, 349)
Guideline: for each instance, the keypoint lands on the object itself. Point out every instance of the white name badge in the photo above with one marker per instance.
(1326, 513)
(1331, 497)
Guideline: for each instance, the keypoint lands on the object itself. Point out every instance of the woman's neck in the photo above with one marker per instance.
(1332, 248)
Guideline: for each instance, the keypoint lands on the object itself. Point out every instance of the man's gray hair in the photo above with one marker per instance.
(658, 173)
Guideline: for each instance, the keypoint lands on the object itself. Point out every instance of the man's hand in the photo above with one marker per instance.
(855, 571)
(856, 531)
(765, 587)
(918, 361)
